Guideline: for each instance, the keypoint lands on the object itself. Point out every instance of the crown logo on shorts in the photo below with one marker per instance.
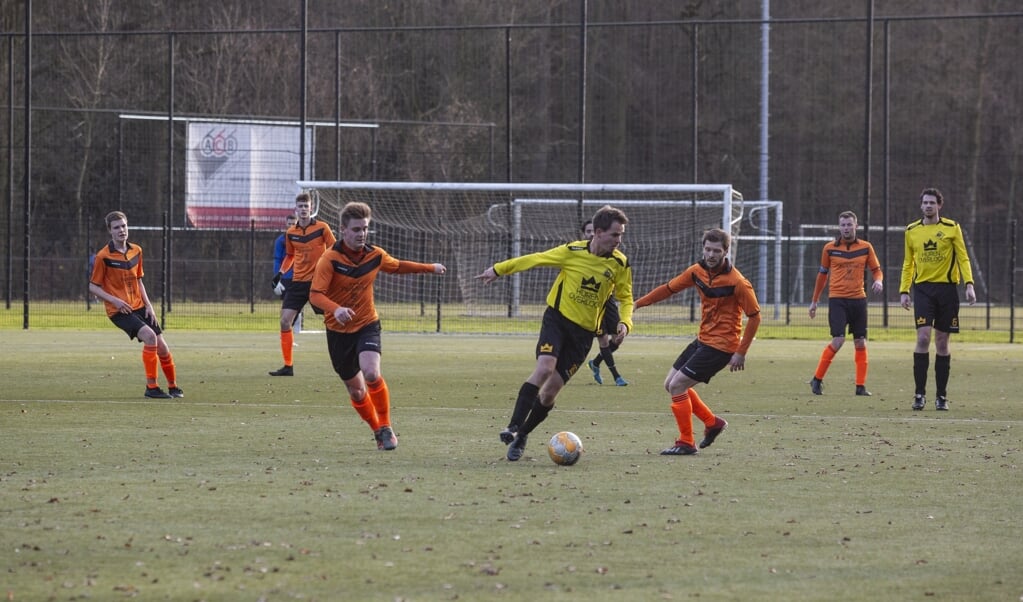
(546, 348)
(590, 284)
(930, 245)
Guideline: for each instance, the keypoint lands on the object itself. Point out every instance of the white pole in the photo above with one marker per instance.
(765, 77)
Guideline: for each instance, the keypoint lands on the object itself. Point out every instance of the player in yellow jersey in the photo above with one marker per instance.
(342, 286)
(590, 272)
(935, 263)
(117, 280)
(304, 242)
(844, 261)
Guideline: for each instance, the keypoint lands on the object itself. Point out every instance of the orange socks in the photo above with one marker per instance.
(287, 344)
(381, 398)
(861, 366)
(167, 365)
(822, 366)
(150, 362)
(367, 412)
(682, 408)
(700, 409)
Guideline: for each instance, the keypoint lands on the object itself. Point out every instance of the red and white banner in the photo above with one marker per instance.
(240, 172)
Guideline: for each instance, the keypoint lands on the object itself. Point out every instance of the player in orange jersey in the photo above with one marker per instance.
(342, 287)
(725, 294)
(117, 280)
(845, 260)
(304, 243)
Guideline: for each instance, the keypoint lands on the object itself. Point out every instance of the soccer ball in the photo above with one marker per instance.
(565, 448)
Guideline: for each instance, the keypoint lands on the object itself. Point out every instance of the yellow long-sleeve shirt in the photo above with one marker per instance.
(935, 253)
(585, 282)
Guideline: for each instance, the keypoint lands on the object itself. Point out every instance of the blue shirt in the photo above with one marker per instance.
(279, 253)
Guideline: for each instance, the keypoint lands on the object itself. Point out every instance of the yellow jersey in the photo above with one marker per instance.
(584, 284)
(935, 253)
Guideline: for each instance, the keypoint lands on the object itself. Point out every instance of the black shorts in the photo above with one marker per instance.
(344, 348)
(287, 284)
(134, 322)
(848, 312)
(701, 362)
(565, 340)
(612, 316)
(297, 295)
(936, 304)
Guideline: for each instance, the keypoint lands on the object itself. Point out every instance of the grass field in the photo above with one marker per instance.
(258, 488)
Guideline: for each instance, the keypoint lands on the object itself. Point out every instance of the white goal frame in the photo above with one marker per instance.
(745, 220)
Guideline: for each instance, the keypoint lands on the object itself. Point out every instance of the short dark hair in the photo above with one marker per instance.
(304, 197)
(607, 215)
(848, 214)
(935, 193)
(718, 235)
(355, 210)
(582, 228)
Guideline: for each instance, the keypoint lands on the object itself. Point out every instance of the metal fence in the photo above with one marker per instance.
(219, 280)
(864, 114)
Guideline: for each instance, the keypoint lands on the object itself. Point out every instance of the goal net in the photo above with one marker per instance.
(470, 226)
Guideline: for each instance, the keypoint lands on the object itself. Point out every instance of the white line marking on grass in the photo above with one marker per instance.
(298, 405)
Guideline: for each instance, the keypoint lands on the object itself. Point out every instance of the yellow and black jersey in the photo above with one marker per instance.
(584, 284)
(935, 253)
(118, 274)
(303, 246)
(344, 278)
(844, 263)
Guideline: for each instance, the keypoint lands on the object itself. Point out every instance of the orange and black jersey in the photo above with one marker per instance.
(725, 296)
(119, 274)
(344, 278)
(303, 246)
(846, 262)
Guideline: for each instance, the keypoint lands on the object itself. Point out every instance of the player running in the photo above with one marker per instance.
(342, 286)
(590, 272)
(725, 294)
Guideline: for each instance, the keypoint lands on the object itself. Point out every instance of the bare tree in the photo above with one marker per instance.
(85, 69)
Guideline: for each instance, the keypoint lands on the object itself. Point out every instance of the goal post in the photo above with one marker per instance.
(470, 226)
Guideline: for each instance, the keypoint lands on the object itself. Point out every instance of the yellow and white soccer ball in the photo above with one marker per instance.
(565, 448)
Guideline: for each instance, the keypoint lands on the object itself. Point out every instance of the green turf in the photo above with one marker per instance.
(260, 488)
(979, 323)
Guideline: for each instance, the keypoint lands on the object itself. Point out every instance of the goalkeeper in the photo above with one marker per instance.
(591, 271)
(343, 287)
(304, 243)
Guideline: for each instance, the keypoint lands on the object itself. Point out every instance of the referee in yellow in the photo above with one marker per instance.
(590, 272)
(935, 263)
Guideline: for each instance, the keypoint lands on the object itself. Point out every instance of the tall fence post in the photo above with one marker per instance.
(1012, 280)
(252, 266)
